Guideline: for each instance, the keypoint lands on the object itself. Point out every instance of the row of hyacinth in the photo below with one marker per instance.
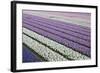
(44, 28)
(58, 48)
(42, 50)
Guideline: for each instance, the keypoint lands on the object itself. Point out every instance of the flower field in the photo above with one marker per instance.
(47, 38)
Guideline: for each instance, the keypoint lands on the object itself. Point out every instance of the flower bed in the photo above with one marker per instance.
(65, 51)
(42, 50)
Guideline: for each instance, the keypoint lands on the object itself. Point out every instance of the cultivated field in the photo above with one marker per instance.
(56, 36)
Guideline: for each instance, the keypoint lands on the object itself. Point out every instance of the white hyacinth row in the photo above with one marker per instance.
(68, 52)
(42, 50)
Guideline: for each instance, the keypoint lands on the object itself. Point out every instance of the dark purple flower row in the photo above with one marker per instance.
(29, 56)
